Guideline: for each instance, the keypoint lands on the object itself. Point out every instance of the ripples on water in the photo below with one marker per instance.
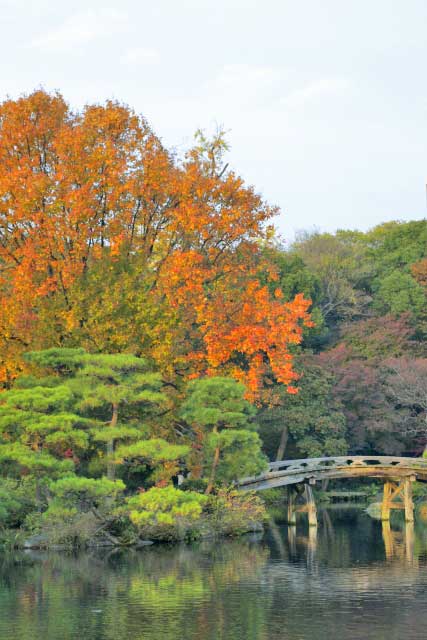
(350, 580)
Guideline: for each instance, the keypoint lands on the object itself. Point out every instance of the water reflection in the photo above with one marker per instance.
(350, 576)
(399, 544)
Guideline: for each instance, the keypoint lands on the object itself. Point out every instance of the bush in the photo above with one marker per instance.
(79, 512)
(166, 513)
(68, 527)
(232, 513)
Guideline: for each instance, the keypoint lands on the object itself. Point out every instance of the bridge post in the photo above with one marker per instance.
(402, 490)
(311, 506)
(388, 539)
(407, 498)
(292, 517)
(385, 506)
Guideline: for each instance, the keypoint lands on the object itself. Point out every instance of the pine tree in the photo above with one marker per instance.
(231, 449)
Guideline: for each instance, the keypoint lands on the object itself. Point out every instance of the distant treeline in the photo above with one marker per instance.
(363, 385)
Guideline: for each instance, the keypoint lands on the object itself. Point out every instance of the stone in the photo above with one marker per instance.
(144, 543)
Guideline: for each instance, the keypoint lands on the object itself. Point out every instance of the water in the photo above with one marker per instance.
(352, 580)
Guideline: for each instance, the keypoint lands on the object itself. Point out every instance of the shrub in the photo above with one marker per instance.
(167, 513)
(79, 510)
(233, 513)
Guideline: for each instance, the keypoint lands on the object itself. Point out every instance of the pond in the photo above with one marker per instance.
(350, 579)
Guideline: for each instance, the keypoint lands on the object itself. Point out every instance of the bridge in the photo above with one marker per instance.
(397, 473)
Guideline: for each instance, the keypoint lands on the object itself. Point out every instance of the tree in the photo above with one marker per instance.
(40, 434)
(312, 421)
(217, 407)
(373, 425)
(339, 264)
(406, 386)
(108, 383)
(54, 423)
(113, 392)
(399, 293)
(110, 242)
(294, 277)
(379, 338)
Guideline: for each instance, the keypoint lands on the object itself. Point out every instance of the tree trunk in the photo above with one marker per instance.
(213, 468)
(111, 469)
(282, 444)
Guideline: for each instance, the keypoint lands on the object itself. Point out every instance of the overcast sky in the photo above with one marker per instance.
(325, 103)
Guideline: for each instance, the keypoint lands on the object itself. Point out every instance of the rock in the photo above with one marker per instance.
(39, 541)
(143, 543)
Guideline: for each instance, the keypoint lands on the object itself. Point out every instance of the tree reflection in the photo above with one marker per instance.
(350, 572)
(149, 594)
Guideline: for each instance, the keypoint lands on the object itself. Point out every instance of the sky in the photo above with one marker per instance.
(324, 103)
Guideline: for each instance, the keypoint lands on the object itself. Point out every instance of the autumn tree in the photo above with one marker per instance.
(110, 242)
(419, 271)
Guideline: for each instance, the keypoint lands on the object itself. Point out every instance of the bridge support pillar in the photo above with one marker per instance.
(308, 507)
(292, 516)
(408, 501)
(398, 496)
(311, 507)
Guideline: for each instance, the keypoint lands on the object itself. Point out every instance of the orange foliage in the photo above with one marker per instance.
(419, 271)
(181, 277)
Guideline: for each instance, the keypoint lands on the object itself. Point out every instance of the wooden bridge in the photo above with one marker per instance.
(397, 473)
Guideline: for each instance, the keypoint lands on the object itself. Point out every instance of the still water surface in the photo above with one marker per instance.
(351, 580)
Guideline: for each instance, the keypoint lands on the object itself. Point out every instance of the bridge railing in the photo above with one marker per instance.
(302, 466)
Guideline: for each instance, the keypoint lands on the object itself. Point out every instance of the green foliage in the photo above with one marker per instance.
(313, 418)
(294, 277)
(395, 245)
(62, 360)
(70, 412)
(161, 457)
(105, 379)
(17, 459)
(87, 491)
(154, 450)
(166, 513)
(17, 500)
(219, 408)
(217, 402)
(38, 426)
(240, 454)
(398, 292)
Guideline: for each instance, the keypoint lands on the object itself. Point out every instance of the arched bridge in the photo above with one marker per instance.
(397, 473)
(288, 472)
